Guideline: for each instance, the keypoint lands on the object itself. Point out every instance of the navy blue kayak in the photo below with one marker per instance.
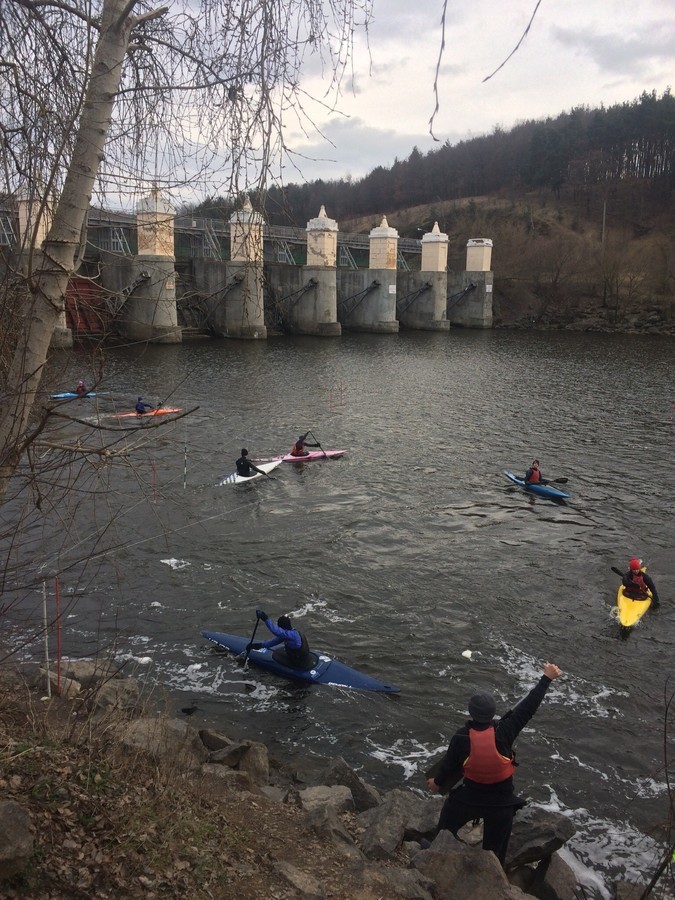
(541, 490)
(325, 670)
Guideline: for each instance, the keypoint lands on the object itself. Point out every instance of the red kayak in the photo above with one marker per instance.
(163, 411)
(313, 455)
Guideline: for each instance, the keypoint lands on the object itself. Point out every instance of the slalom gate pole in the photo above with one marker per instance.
(58, 635)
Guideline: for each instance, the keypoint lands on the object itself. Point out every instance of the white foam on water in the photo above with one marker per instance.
(156, 603)
(129, 657)
(411, 755)
(176, 563)
(570, 690)
(615, 848)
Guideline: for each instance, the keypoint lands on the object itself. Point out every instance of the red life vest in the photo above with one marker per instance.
(300, 452)
(485, 764)
(535, 476)
(637, 589)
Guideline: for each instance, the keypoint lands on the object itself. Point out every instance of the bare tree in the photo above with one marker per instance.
(108, 97)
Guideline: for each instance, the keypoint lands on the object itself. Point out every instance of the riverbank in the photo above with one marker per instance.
(102, 797)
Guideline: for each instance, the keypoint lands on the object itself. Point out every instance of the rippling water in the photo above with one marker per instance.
(401, 555)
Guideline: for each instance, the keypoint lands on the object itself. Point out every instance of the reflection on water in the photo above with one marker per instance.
(400, 556)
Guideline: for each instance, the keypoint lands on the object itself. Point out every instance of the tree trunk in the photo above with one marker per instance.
(45, 287)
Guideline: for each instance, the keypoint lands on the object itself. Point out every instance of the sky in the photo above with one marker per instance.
(590, 53)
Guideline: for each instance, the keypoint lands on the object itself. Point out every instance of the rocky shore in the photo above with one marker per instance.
(105, 796)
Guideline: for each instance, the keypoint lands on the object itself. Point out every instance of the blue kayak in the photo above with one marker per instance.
(541, 490)
(325, 670)
(67, 395)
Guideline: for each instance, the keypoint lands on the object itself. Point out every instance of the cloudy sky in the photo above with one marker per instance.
(577, 53)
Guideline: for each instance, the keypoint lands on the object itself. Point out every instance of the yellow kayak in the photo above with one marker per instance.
(631, 611)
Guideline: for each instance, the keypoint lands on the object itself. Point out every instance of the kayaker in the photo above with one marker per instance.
(80, 389)
(298, 448)
(533, 474)
(245, 467)
(636, 582)
(482, 751)
(142, 407)
(294, 641)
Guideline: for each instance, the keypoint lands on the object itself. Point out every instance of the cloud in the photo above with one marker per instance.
(613, 53)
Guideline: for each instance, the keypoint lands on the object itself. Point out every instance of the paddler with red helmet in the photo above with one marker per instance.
(636, 582)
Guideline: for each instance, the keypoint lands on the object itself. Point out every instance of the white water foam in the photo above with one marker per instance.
(176, 563)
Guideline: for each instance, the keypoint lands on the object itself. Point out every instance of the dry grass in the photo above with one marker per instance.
(113, 824)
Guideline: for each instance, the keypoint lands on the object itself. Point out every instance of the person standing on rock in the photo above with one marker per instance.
(481, 754)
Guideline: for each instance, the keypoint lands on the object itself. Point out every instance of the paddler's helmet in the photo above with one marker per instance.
(244, 451)
(285, 622)
(80, 381)
(635, 564)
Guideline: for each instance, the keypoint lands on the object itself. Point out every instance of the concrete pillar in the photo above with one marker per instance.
(34, 223)
(322, 241)
(150, 312)
(315, 309)
(434, 251)
(246, 235)
(478, 255)
(383, 246)
(474, 310)
(241, 313)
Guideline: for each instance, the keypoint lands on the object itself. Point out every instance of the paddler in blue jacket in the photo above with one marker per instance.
(141, 407)
(481, 752)
(294, 641)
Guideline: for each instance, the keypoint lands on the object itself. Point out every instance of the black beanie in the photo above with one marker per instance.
(482, 707)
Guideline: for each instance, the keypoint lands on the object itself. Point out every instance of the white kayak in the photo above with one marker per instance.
(239, 479)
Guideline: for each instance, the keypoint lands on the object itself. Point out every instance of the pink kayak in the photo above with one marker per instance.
(162, 411)
(313, 455)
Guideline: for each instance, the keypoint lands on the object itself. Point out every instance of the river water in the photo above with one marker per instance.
(396, 558)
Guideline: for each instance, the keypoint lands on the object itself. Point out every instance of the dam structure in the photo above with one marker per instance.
(160, 277)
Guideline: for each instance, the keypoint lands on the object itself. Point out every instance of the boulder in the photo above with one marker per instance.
(554, 880)
(324, 821)
(16, 839)
(171, 740)
(536, 835)
(336, 797)
(401, 815)
(464, 873)
(305, 886)
(338, 772)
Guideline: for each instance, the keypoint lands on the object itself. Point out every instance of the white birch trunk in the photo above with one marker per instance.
(54, 264)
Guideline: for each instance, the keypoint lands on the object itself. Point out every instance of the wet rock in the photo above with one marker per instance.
(16, 839)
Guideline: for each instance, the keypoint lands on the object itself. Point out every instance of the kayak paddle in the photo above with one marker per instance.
(618, 571)
(319, 445)
(257, 622)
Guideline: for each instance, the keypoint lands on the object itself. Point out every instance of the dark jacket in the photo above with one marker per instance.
(245, 467)
(507, 730)
(632, 587)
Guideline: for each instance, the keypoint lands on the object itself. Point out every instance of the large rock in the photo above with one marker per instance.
(336, 797)
(537, 834)
(338, 772)
(464, 873)
(324, 821)
(305, 886)
(392, 883)
(554, 880)
(401, 816)
(170, 740)
(16, 839)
